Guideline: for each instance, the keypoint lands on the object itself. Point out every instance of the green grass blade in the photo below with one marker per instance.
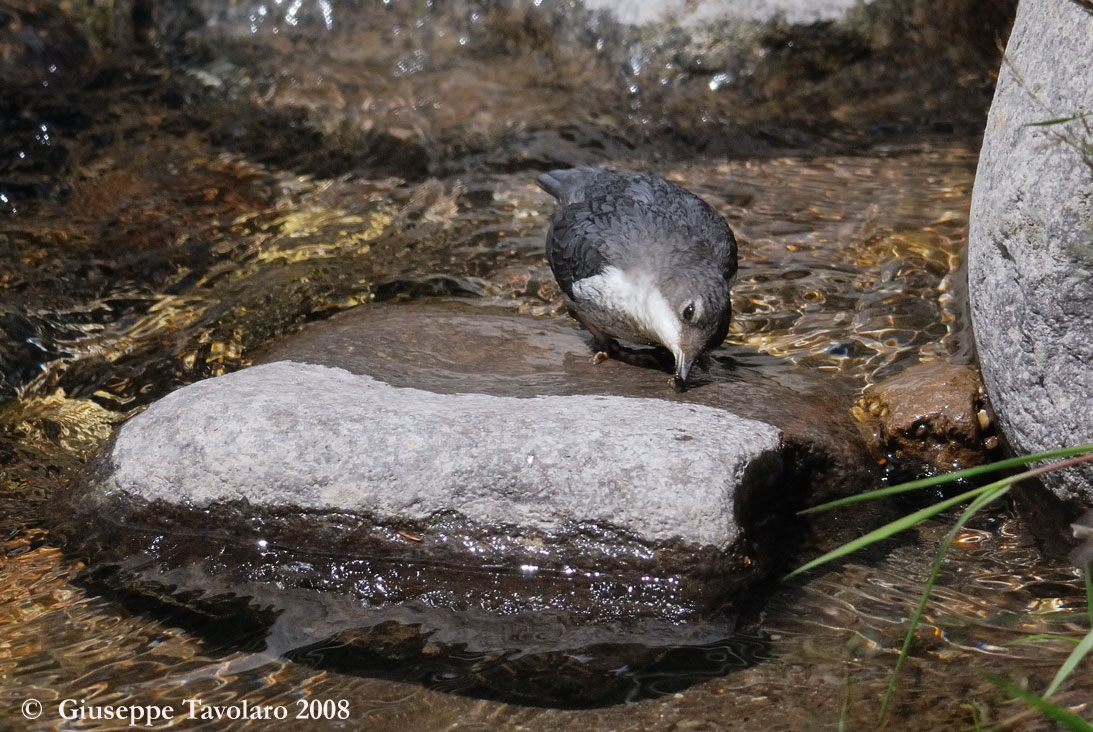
(1058, 120)
(977, 724)
(979, 497)
(1088, 573)
(844, 708)
(1071, 663)
(1043, 636)
(1013, 462)
(987, 494)
(1065, 717)
(889, 529)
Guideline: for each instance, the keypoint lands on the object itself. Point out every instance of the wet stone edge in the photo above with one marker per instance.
(591, 571)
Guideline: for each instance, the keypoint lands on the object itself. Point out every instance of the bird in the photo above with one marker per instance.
(641, 260)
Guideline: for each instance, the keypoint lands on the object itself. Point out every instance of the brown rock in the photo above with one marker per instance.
(929, 417)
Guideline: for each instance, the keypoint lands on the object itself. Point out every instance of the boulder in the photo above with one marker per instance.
(314, 440)
(1030, 249)
(472, 474)
(457, 348)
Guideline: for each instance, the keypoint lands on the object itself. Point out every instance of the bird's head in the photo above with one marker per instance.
(692, 317)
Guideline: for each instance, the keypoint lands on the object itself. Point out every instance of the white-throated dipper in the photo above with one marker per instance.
(642, 260)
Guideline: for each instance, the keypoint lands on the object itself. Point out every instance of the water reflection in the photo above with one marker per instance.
(832, 637)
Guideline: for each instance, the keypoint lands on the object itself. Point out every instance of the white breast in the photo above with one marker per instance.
(627, 307)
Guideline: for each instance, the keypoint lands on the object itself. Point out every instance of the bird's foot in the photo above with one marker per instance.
(677, 384)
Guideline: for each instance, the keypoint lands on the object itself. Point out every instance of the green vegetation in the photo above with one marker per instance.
(976, 499)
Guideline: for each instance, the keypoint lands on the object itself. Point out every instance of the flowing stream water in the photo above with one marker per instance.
(146, 247)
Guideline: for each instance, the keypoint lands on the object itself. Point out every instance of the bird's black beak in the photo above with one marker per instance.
(683, 368)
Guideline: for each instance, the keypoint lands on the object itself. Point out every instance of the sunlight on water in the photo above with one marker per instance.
(149, 249)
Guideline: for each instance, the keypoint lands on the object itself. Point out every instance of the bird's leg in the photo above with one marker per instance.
(609, 348)
(605, 346)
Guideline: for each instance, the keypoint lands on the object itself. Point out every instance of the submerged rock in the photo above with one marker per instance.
(1030, 244)
(440, 458)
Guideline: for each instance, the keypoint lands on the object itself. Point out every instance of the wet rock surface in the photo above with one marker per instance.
(1029, 256)
(456, 468)
(453, 347)
(929, 418)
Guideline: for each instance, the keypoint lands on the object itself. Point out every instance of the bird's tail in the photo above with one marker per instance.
(567, 184)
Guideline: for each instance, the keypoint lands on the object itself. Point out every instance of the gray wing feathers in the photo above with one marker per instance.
(573, 249)
(601, 214)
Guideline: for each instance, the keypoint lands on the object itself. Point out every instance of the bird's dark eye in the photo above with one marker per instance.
(689, 312)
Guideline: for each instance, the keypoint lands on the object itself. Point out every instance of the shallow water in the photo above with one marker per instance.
(144, 252)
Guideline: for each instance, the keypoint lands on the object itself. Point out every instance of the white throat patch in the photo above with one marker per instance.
(628, 308)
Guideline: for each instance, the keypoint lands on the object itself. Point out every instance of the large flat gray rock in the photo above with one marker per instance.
(1030, 250)
(316, 438)
(454, 348)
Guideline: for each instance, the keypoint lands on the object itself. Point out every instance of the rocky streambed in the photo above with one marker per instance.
(207, 494)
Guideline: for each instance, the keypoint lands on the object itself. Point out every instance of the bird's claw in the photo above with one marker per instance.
(677, 384)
